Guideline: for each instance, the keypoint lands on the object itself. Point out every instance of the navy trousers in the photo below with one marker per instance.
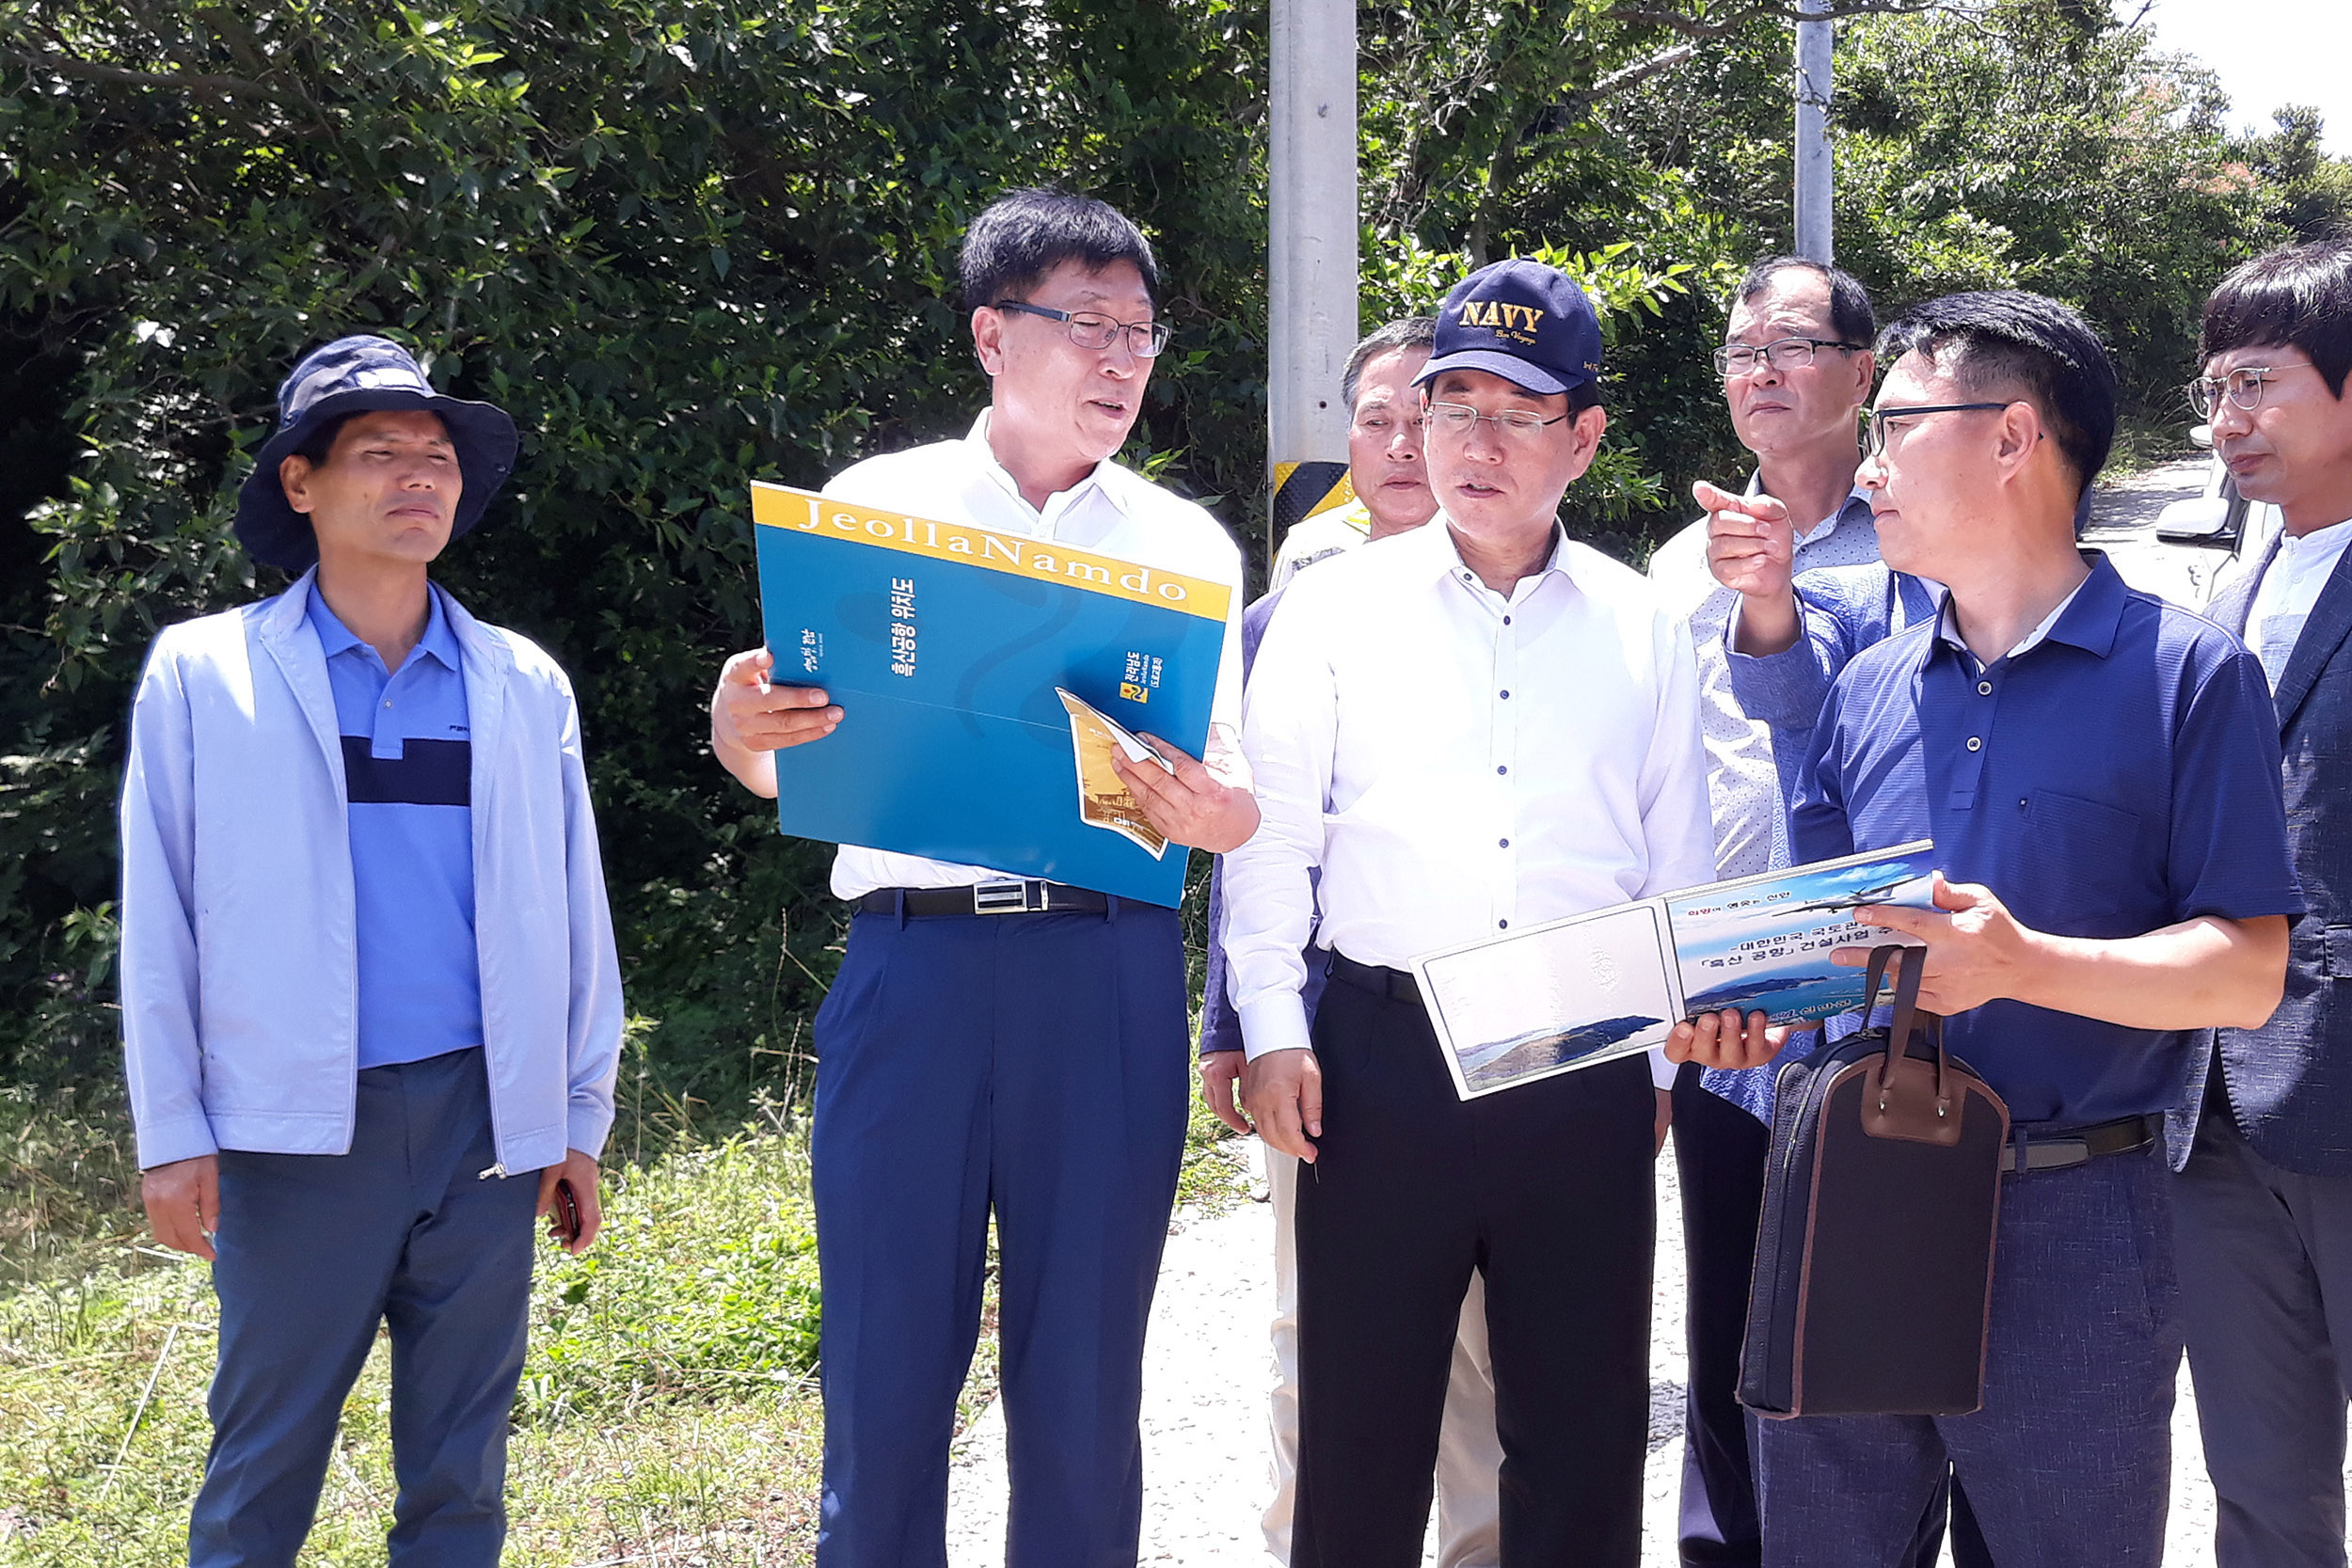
(1039, 1066)
(2070, 1460)
(315, 1251)
(2269, 1312)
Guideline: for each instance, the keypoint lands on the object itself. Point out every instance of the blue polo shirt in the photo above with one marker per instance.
(408, 772)
(2116, 775)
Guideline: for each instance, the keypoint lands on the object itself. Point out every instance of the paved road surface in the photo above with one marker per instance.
(1204, 1437)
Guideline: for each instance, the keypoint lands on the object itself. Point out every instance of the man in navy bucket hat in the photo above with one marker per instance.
(1552, 766)
(368, 969)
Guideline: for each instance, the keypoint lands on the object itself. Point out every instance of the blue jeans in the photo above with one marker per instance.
(1037, 1065)
(2070, 1460)
(315, 1251)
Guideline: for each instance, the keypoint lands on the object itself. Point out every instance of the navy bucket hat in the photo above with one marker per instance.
(1522, 321)
(354, 375)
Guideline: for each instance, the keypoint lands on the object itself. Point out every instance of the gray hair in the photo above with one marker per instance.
(1405, 332)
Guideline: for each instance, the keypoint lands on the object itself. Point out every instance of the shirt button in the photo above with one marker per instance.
(1984, 689)
(1976, 743)
(1506, 620)
(1506, 696)
(1503, 769)
(1502, 924)
(1505, 842)
(388, 701)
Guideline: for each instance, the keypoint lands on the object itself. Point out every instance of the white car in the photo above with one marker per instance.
(2200, 544)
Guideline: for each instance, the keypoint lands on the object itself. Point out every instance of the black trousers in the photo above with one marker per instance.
(1719, 1160)
(1545, 1189)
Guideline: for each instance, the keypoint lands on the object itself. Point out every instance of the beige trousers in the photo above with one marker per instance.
(1468, 1454)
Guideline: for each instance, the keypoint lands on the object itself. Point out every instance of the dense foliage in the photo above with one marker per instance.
(690, 242)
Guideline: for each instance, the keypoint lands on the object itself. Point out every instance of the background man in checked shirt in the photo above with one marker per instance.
(1796, 367)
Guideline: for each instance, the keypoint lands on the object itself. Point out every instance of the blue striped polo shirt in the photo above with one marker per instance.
(408, 769)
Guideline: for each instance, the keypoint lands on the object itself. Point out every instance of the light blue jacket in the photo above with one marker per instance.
(239, 963)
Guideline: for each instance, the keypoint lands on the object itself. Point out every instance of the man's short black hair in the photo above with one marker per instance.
(2300, 295)
(1850, 313)
(1023, 234)
(2007, 336)
(1405, 332)
(319, 441)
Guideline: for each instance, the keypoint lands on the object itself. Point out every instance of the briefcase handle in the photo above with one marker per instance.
(1910, 964)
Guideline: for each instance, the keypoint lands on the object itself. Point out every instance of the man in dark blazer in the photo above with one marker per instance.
(2263, 1206)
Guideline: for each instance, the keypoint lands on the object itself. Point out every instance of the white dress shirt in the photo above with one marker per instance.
(1741, 778)
(2289, 589)
(1112, 511)
(1458, 763)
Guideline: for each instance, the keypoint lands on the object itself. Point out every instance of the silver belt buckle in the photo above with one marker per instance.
(1006, 898)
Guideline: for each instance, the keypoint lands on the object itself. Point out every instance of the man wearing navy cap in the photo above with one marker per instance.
(370, 1006)
(1548, 762)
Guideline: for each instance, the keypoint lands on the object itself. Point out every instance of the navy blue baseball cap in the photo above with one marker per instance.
(354, 375)
(1522, 321)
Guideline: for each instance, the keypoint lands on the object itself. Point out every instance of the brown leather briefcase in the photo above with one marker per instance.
(1874, 1256)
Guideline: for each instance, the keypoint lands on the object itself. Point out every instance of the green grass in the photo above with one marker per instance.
(668, 1413)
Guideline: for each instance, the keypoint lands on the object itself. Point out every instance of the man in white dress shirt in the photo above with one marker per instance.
(998, 1044)
(1475, 727)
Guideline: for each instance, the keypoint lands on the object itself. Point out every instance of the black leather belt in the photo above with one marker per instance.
(1394, 984)
(2084, 1144)
(1009, 896)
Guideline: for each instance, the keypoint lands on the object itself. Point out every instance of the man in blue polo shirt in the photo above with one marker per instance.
(2099, 772)
(370, 1004)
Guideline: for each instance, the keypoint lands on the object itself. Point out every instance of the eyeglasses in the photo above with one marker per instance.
(1734, 360)
(1876, 444)
(2242, 385)
(1091, 331)
(1460, 418)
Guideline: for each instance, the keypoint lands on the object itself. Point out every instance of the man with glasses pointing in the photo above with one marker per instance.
(1796, 368)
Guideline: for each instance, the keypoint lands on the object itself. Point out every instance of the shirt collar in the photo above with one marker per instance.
(440, 639)
(2086, 618)
(1443, 556)
(1856, 507)
(1104, 477)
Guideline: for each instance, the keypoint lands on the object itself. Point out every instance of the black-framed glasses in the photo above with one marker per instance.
(1734, 360)
(1875, 443)
(1460, 418)
(1090, 330)
(2241, 385)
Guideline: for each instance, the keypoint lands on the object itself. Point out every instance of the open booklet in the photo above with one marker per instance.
(1595, 987)
(1103, 798)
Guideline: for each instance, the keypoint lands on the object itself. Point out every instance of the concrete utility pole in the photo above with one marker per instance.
(1311, 262)
(1814, 180)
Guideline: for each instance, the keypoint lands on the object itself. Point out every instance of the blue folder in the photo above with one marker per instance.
(943, 644)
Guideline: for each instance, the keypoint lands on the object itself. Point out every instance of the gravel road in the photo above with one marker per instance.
(1204, 1435)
